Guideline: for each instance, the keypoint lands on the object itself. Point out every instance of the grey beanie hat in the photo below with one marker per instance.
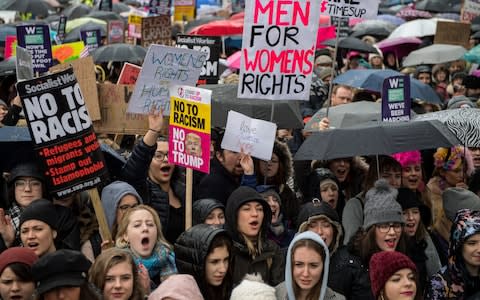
(381, 205)
(3, 103)
(456, 198)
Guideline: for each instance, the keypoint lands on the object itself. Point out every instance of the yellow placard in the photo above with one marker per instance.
(190, 115)
(134, 19)
(187, 12)
(67, 52)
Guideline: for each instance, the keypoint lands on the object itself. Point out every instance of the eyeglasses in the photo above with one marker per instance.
(160, 155)
(385, 227)
(32, 183)
(126, 206)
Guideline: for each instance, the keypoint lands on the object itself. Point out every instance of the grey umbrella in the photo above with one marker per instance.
(286, 114)
(377, 138)
(351, 43)
(434, 54)
(36, 7)
(105, 15)
(463, 122)
(119, 52)
(76, 11)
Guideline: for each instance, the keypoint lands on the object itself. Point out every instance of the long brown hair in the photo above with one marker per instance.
(314, 293)
(107, 260)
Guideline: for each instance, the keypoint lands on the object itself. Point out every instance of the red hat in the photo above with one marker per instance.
(17, 255)
(383, 265)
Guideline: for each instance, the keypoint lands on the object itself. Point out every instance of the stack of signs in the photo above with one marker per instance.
(364, 9)
(162, 67)
(156, 30)
(212, 45)
(189, 130)
(36, 39)
(247, 135)
(278, 49)
(62, 132)
(91, 38)
(396, 100)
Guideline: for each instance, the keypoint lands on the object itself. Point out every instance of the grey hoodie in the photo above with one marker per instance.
(111, 196)
(325, 292)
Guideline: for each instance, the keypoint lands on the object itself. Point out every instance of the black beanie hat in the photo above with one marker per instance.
(42, 210)
(409, 199)
(27, 169)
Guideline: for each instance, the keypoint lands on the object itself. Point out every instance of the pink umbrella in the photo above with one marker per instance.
(219, 28)
(233, 61)
(325, 33)
(401, 46)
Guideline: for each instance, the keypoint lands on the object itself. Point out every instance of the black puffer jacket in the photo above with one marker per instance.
(135, 172)
(270, 263)
(191, 250)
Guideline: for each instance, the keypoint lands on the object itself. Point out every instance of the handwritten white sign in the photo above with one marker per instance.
(249, 135)
(163, 66)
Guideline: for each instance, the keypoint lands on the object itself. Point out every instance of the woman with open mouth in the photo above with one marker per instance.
(323, 185)
(459, 279)
(393, 276)
(412, 172)
(382, 228)
(307, 262)
(248, 217)
(140, 232)
(417, 219)
(16, 278)
(203, 251)
(114, 272)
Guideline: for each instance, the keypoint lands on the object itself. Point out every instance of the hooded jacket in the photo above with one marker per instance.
(269, 262)
(453, 281)
(111, 196)
(191, 250)
(285, 290)
(202, 208)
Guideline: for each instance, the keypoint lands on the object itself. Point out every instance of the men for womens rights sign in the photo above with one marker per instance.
(189, 130)
(278, 49)
(62, 132)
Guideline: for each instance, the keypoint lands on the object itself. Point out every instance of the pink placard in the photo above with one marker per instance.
(189, 148)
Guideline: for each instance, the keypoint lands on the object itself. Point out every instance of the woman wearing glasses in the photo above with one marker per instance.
(158, 181)
(382, 226)
(117, 198)
(25, 184)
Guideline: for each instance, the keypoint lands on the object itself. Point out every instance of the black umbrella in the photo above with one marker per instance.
(35, 7)
(120, 52)
(439, 5)
(74, 35)
(105, 15)
(376, 138)
(15, 146)
(286, 114)
(76, 11)
(8, 66)
(351, 43)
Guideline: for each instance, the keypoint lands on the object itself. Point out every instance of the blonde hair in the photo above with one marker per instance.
(122, 227)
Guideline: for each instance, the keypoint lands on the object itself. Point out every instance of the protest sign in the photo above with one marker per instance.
(129, 74)
(84, 69)
(67, 52)
(396, 100)
(135, 26)
(62, 132)
(24, 64)
(184, 13)
(36, 39)
(212, 45)
(62, 24)
(249, 135)
(470, 10)
(91, 38)
(116, 31)
(10, 46)
(342, 24)
(278, 49)
(115, 119)
(163, 66)
(156, 30)
(452, 33)
(159, 7)
(189, 130)
(362, 9)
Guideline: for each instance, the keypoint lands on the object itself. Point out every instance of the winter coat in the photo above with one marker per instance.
(219, 184)
(202, 208)
(285, 291)
(352, 217)
(453, 281)
(191, 250)
(270, 262)
(135, 172)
